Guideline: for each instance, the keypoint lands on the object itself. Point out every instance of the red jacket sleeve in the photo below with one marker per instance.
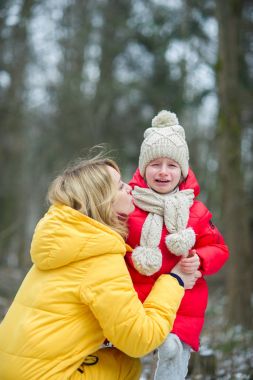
(210, 246)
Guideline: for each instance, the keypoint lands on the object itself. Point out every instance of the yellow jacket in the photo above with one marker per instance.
(77, 293)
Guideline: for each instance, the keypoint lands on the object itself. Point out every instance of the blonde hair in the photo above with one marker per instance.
(87, 186)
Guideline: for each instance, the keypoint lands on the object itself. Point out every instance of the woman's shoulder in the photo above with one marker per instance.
(65, 236)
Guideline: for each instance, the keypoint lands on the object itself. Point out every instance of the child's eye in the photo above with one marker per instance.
(121, 186)
(173, 166)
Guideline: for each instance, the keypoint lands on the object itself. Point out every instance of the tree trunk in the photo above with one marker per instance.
(14, 189)
(234, 202)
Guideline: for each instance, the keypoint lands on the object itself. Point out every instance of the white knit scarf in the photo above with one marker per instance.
(171, 209)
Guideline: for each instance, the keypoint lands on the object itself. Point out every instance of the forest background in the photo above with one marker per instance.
(76, 73)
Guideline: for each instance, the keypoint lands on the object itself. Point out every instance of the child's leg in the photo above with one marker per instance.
(173, 359)
(112, 364)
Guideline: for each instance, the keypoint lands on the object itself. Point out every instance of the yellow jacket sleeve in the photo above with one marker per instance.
(131, 326)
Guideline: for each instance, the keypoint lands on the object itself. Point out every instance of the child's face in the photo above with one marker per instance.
(163, 175)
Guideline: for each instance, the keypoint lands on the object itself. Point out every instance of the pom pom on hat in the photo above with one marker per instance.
(166, 138)
(164, 119)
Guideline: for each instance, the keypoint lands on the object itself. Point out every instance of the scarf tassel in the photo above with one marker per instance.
(179, 243)
(147, 260)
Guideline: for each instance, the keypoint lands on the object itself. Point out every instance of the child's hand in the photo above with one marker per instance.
(191, 263)
(188, 279)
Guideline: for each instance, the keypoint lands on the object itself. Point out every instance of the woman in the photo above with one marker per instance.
(79, 292)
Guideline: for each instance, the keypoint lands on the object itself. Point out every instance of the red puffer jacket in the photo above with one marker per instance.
(210, 247)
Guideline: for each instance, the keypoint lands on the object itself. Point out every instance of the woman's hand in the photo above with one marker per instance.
(191, 263)
(189, 279)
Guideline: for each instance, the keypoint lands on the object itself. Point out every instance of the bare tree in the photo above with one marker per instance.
(234, 198)
(15, 57)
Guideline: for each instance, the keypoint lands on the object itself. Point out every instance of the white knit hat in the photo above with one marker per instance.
(166, 138)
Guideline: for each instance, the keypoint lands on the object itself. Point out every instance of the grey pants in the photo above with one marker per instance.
(173, 359)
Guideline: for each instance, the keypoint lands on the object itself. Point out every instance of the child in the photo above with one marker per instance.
(169, 225)
(79, 291)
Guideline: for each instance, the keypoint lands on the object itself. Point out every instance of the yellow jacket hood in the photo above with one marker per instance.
(65, 235)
